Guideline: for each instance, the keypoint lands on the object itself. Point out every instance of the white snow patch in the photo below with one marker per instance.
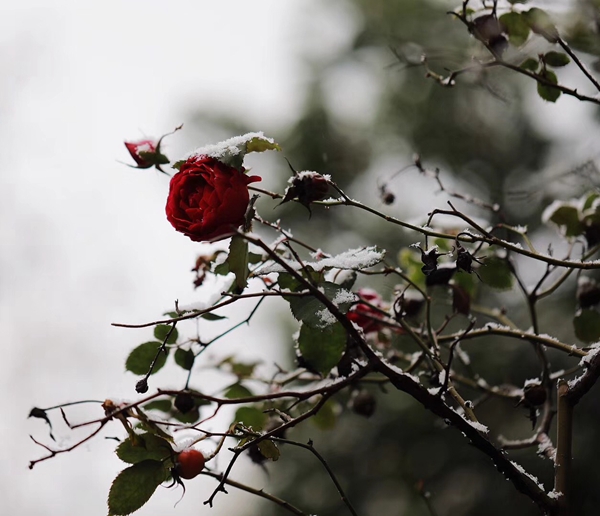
(232, 146)
(353, 259)
(545, 445)
(532, 381)
(478, 426)
(521, 470)
(462, 354)
(344, 296)
(326, 317)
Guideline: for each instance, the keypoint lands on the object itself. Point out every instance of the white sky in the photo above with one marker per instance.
(84, 239)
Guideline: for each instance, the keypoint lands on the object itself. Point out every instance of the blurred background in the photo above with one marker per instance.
(85, 241)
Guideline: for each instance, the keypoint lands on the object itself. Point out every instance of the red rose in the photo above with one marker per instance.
(365, 316)
(208, 199)
(143, 152)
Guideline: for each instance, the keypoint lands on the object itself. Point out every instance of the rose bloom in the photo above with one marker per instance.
(142, 152)
(208, 199)
(364, 315)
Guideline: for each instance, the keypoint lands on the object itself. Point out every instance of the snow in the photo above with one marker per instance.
(521, 470)
(353, 259)
(442, 377)
(532, 381)
(479, 427)
(545, 445)
(594, 350)
(309, 174)
(585, 362)
(482, 429)
(326, 317)
(232, 146)
(496, 326)
(555, 495)
(344, 296)
(399, 371)
(462, 354)
(553, 206)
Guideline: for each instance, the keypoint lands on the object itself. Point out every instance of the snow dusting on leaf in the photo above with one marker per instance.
(231, 147)
(353, 259)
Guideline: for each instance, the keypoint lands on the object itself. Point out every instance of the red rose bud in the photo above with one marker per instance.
(208, 199)
(146, 153)
(364, 315)
(306, 187)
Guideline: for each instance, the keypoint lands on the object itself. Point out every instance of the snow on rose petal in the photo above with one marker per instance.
(143, 152)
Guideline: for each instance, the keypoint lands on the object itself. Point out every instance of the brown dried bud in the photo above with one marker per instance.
(534, 394)
(363, 403)
(184, 402)
(307, 187)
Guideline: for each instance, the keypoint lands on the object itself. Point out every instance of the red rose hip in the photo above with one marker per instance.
(189, 463)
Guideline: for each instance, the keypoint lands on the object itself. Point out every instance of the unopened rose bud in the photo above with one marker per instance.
(306, 187)
(147, 153)
(143, 152)
(363, 403)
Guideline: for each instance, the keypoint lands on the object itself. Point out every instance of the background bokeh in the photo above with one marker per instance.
(85, 241)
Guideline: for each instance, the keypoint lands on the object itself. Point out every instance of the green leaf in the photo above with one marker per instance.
(587, 325)
(541, 23)
(468, 282)
(411, 264)
(322, 348)
(261, 144)
(238, 261)
(497, 273)
(326, 418)
(146, 447)
(530, 64)
(222, 269)
(251, 417)
(134, 486)
(140, 359)
(548, 93)
(556, 59)
(243, 369)
(347, 279)
(162, 405)
(255, 258)
(566, 217)
(189, 418)
(312, 312)
(287, 281)
(517, 28)
(184, 358)
(237, 390)
(269, 450)
(209, 316)
(589, 200)
(162, 330)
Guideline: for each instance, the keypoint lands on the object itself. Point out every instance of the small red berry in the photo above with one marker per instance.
(190, 463)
